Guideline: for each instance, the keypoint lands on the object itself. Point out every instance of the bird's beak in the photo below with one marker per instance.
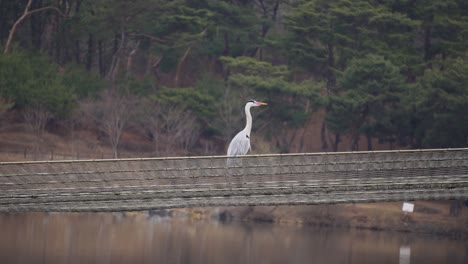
(261, 103)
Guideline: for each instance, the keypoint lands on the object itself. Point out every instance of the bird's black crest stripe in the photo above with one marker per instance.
(251, 100)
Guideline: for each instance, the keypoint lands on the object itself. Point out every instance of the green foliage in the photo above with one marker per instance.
(440, 106)
(82, 83)
(231, 29)
(263, 77)
(334, 32)
(180, 25)
(290, 102)
(201, 104)
(443, 24)
(251, 66)
(143, 87)
(311, 28)
(32, 81)
(211, 44)
(210, 84)
(371, 89)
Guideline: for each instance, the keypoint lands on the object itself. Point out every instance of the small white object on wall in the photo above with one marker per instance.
(408, 207)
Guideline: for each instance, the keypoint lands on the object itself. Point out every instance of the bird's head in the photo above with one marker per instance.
(252, 102)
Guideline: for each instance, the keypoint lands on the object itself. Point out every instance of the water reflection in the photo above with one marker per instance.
(139, 238)
(405, 255)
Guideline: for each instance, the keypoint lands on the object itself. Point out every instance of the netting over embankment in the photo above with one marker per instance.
(157, 183)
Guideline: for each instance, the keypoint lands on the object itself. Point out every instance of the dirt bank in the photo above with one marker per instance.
(441, 217)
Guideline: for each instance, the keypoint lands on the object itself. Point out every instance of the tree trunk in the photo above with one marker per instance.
(284, 142)
(258, 51)
(90, 52)
(59, 38)
(114, 67)
(155, 67)
(102, 70)
(2, 22)
(36, 26)
(15, 26)
(355, 143)
(306, 125)
(369, 142)
(130, 60)
(323, 133)
(26, 13)
(77, 51)
(181, 65)
(336, 142)
(427, 43)
(331, 77)
(302, 141)
(227, 48)
(291, 140)
(78, 5)
(331, 83)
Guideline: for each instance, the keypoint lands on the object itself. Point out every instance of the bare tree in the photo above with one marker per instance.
(172, 127)
(36, 119)
(180, 127)
(151, 122)
(189, 132)
(111, 115)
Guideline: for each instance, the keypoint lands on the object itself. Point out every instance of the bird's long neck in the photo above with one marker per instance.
(248, 116)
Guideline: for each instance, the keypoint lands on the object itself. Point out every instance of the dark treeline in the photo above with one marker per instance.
(180, 71)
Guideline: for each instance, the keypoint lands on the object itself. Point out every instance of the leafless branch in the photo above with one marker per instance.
(110, 114)
(161, 41)
(36, 119)
(47, 8)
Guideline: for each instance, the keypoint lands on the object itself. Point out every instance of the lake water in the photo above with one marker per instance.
(139, 238)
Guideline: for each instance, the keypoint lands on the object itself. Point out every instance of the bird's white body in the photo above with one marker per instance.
(240, 144)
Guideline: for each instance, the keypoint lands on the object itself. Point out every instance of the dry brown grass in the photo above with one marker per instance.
(17, 143)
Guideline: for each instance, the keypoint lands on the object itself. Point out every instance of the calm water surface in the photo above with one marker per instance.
(138, 238)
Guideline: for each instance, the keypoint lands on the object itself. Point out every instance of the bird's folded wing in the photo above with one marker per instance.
(239, 146)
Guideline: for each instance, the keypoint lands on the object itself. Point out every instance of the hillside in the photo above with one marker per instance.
(180, 73)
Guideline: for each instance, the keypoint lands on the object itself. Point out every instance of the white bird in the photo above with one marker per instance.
(240, 144)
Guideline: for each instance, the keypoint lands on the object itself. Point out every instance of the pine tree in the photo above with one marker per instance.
(369, 98)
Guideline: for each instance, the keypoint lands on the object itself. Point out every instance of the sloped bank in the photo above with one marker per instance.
(446, 218)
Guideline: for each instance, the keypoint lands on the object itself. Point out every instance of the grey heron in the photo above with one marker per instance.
(240, 144)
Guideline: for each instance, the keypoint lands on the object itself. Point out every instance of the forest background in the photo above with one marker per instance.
(167, 78)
